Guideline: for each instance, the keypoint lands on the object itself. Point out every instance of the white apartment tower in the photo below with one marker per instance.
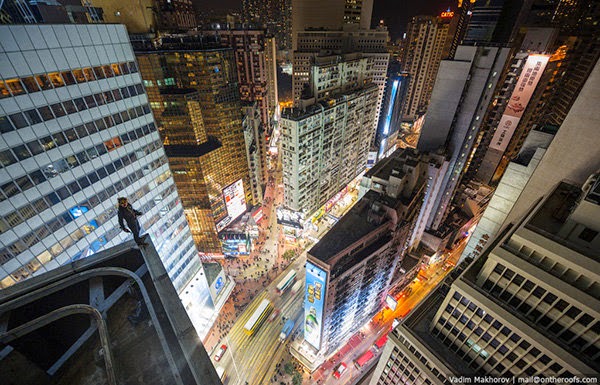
(348, 272)
(312, 44)
(325, 146)
(76, 133)
(426, 40)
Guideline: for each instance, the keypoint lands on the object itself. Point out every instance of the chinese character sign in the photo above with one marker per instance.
(530, 76)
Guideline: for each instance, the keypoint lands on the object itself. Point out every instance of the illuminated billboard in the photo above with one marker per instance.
(314, 300)
(290, 218)
(528, 80)
(235, 202)
(235, 243)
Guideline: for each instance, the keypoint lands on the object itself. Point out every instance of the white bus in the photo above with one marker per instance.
(258, 317)
(297, 286)
(286, 282)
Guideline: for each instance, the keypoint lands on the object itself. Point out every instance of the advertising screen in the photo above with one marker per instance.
(314, 300)
(289, 218)
(235, 199)
(235, 244)
(528, 80)
(235, 202)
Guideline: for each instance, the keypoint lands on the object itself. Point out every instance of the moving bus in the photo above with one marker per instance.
(258, 317)
(362, 360)
(297, 286)
(286, 282)
(380, 343)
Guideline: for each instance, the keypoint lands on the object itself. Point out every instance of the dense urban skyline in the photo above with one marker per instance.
(299, 192)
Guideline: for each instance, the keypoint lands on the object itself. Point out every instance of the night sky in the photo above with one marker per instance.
(396, 13)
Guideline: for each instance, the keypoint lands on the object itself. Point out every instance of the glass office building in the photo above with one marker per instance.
(193, 90)
(76, 133)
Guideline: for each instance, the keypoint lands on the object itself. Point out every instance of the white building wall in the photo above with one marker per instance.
(324, 149)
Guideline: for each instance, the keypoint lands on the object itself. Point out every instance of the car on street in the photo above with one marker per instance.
(220, 352)
(340, 370)
(274, 315)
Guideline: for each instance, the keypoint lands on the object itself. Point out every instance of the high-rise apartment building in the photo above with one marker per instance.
(330, 15)
(312, 44)
(77, 132)
(214, 141)
(426, 40)
(324, 143)
(501, 122)
(391, 113)
(349, 270)
(527, 307)
(458, 26)
(253, 136)
(273, 15)
(463, 90)
(271, 70)
(255, 58)
(250, 52)
(574, 56)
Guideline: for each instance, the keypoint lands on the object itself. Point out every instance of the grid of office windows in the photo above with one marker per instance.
(400, 367)
(52, 80)
(59, 166)
(547, 309)
(38, 206)
(488, 345)
(33, 116)
(558, 267)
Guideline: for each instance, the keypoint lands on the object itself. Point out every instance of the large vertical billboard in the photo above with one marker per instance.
(530, 76)
(235, 202)
(314, 300)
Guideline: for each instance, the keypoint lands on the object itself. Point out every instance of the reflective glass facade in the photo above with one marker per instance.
(196, 101)
(76, 133)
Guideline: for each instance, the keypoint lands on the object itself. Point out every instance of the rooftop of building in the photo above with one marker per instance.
(552, 216)
(353, 226)
(50, 325)
(547, 219)
(191, 150)
(409, 261)
(179, 42)
(394, 164)
(298, 114)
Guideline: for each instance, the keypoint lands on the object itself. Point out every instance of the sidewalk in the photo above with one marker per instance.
(254, 272)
